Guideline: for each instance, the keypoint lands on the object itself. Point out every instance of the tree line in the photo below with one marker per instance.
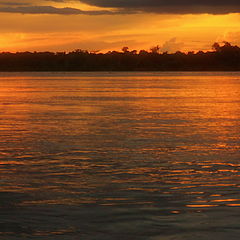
(225, 57)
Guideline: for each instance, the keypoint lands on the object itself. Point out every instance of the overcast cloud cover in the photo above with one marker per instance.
(123, 6)
(172, 6)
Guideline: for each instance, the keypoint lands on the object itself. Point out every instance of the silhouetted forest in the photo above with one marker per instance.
(222, 58)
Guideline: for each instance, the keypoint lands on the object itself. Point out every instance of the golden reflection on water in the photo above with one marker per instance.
(159, 141)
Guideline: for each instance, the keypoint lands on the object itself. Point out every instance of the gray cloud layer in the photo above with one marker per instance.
(54, 10)
(172, 6)
(124, 7)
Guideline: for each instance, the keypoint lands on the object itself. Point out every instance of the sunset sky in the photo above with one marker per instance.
(65, 25)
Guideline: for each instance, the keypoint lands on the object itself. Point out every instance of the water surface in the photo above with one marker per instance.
(108, 156)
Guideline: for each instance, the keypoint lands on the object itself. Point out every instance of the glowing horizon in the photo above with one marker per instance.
(68, 25)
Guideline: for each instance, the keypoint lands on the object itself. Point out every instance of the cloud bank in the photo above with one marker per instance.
(172, 6)
(122, 7)
(54, 10)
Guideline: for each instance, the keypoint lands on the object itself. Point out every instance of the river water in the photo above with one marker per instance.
(108, 156)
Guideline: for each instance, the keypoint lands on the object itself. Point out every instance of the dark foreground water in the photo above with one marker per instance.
(120, 156)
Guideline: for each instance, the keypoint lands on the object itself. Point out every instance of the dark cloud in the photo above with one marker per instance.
(40, 10)
(123, 6)
(172, 6)
(54, 10)
(13, 3)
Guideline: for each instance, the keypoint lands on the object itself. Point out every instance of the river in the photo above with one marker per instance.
(110, 156)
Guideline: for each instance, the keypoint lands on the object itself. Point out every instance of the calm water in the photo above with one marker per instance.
(110, 156)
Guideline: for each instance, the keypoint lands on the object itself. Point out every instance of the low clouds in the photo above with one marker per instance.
(171, 6)
(172, 45)
(232, 37)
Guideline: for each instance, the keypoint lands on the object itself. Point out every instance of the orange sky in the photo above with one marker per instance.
(59, 32)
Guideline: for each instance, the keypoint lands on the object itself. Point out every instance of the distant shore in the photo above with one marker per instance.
(222, 58)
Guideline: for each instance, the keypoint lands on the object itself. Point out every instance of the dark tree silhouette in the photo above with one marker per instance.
(155, 49)
(223, 57)
(125, 49)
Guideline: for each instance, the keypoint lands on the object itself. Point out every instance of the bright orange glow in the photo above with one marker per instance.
(234, 205)
(201, 206)
(112, 32)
